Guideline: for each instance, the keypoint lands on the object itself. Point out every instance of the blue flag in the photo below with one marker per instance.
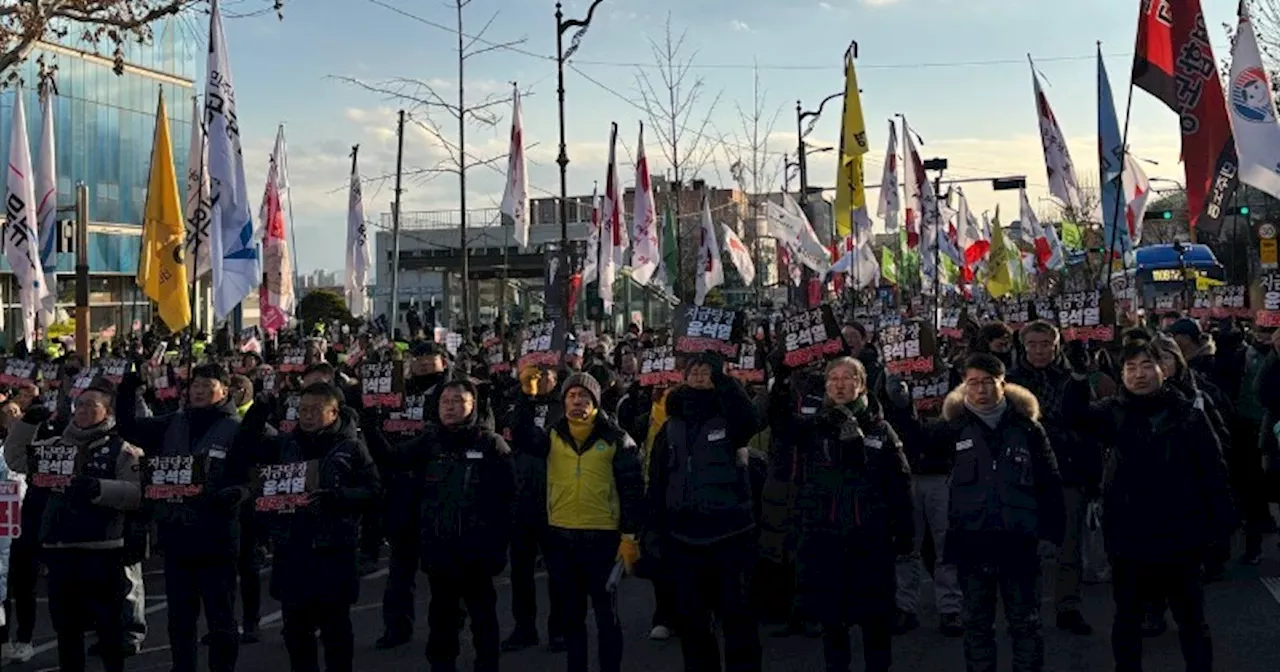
(1111, 166)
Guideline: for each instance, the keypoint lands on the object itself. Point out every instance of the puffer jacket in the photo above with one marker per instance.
(1165, 484)
(466, 487)
(1006, 492)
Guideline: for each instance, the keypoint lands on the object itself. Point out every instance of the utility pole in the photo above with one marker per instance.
(462, 176)
(82, 272)
(395, 222)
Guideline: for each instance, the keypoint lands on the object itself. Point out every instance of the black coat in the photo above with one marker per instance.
(1165, 487)
(315, 548)
(855, 513)
(1063, 402)
(465, 484)
(1006, 492)
(525, 431)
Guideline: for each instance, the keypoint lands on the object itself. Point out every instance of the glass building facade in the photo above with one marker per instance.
(104, 124)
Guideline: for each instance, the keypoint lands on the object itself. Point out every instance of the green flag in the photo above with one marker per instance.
(1072, 236)
(888, 265)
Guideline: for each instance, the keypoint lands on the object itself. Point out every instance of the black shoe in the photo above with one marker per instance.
(250, 636)
(1074, 623)
(129, 650)
(520, 640)
(557, 644)
(1154, 625)
(952, 626)
(904, 622)
(368, 566)
(391, 640)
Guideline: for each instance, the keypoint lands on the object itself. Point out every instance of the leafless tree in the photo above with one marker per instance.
(675, 101)
(751, 164)
(107, 23)
(426, 104)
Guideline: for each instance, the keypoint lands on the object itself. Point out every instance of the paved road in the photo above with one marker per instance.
(1244, 614)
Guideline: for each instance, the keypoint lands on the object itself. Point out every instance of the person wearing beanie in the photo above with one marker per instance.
(595, 497)
(199, 525)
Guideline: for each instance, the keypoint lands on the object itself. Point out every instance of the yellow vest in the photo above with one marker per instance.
(581, 493)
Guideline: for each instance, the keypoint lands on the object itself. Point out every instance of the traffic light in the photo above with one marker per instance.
(1157, 214)
(1244, 211)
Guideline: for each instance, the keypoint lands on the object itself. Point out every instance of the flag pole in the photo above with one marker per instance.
(188, 352)
(283, 168)
(1123, 198)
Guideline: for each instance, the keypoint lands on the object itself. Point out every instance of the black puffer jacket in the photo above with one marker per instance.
(1165, 487)
(699, 492)
(466, 487)
(315, 546)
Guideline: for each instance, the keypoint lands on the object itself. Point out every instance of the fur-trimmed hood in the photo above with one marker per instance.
(1020, 399)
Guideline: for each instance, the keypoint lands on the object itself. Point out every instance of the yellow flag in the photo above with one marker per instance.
(161, 273)
(850, 192)
(999, 281)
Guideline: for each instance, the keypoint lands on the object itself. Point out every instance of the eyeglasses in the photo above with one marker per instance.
(981, 383)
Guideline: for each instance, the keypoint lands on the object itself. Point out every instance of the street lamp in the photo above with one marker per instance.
(802, 132)
(561, 57)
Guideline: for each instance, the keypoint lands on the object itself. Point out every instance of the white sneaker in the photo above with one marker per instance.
(660, 633)
(21, 652)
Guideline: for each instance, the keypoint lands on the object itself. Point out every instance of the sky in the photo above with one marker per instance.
(956, 68)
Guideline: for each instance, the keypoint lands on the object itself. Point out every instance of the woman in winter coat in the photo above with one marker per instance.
(855, 513)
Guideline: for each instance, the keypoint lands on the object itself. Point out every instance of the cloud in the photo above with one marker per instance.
(879, 3)
(740, 26)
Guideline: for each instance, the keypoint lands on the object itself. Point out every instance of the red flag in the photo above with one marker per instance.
(1174, 62)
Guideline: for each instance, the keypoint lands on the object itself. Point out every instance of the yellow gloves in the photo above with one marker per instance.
(628, 552)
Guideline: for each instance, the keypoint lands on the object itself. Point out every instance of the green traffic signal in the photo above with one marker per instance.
(1167, 214)
(1244, 210)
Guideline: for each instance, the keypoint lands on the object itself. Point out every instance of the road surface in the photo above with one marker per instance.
(1244, 616)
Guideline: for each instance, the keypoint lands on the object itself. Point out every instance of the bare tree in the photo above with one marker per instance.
(675, 102)
(750, 163)
(107, 23)
(427, 103)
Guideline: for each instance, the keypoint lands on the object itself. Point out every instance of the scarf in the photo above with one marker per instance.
(87, 435)
(991, 417)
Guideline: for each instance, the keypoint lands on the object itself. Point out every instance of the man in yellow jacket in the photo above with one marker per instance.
(595, 492)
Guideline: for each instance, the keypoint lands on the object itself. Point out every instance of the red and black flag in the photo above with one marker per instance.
(1174, 62)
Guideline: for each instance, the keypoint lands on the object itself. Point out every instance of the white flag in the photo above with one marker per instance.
(21, 237)
(1057, 160)
(515, 198)
(591, 266)
(276, 297)
(233, 247)
(739, 255)
(47, 198)
(197, 205)
(710, 270)
(1137, 191)
(647, 252)
(790, 226)
(359, 258)
(890, 203)
(613, 230)
(1253, 113)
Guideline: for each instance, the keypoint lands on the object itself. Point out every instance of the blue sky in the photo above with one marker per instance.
(956, 68)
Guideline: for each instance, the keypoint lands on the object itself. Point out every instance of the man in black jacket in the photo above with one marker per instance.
(536, 410)
(703, 525)
(312, 485)
(467, 484)
(1063, 395)
(196, 483)
(1167, 498)
(1005, 501)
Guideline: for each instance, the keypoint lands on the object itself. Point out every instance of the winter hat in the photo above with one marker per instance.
(586, 382)
(1185, 327)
